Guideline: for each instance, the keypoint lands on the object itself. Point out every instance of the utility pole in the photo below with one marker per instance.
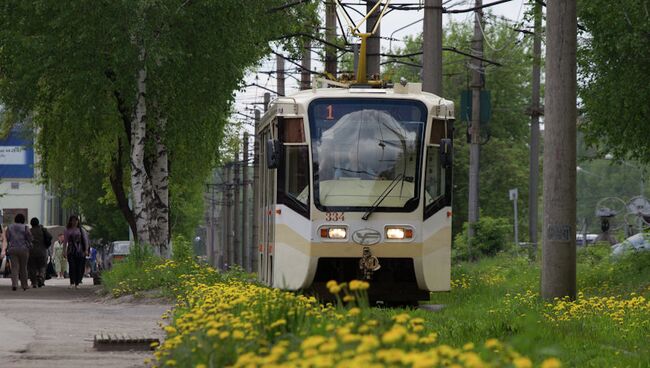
(373, 47)
(267, 100)
(514, 197)
(330, 36)
(223, 238)
(229, 228)
(432, 47)
(210, 221)
(237, 254)
(305, 73)
(279, 71)
(475, 137)
(246, 249)
(535, 112)
(559, 239)
(256, 194)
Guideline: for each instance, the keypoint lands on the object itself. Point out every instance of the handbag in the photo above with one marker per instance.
(73, 249)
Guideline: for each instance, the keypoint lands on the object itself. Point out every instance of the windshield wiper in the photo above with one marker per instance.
(384, 194)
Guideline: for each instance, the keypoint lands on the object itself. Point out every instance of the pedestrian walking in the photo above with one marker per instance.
(58, 257)
(75, 250)
(37, 263)
(19, 240)
(91, 262)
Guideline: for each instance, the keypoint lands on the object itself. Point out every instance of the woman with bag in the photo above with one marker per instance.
(75, 250)
(19, 241)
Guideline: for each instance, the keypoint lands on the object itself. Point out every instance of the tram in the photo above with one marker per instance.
(355, 183)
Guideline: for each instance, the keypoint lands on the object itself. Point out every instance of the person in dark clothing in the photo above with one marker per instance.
(19, 240)
(75, 249)
(37, 264)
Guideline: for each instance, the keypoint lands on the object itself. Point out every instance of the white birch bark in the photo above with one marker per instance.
(159, 234)
(140, 182)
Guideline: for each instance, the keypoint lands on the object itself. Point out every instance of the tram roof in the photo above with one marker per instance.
(297, 103)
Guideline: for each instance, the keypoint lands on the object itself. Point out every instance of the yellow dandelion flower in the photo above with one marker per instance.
(551, 363)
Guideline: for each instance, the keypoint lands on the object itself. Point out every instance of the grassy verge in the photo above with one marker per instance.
(608, 324)
(492, 317)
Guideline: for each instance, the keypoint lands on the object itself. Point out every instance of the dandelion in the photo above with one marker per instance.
(551, 363)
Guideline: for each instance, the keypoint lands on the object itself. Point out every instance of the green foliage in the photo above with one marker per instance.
(492, 235)
(599, 178)
(144, 271)
(614, 76)
(182, 250)
(72, 68)
(504, 154)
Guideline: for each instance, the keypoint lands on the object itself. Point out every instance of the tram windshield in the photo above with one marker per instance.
(366, 153)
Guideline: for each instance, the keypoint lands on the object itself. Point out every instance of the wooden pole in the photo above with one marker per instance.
(474, 148)
(256, 195)
(535, 112)
(236, 223)
(279, 71)
(373, 47)
(559, 240)
(330, 36)
(246, 248)
(305, 73)
(432, 47)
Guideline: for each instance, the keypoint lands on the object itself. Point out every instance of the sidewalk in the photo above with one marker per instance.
(54, 326)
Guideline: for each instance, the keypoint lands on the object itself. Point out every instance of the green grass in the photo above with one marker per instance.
(143, 271)
(489, 307)
(494, 297)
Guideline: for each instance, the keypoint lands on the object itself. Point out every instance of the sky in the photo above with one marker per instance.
(252, 97)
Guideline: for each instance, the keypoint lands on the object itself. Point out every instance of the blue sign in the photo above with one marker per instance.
(16, 156)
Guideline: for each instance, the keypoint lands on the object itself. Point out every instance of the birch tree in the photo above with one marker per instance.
(140, 89)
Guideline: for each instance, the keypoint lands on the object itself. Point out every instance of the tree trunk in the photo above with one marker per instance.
(159, 231)
(140, 182)
(117, 184)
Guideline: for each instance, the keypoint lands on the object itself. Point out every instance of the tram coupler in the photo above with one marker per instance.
(368, 263)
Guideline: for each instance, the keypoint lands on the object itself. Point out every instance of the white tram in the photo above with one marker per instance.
(355, 183)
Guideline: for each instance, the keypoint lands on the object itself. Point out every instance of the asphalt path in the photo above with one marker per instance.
(54, 326)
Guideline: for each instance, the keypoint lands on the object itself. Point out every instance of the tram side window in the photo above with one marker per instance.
(293, 173)
(296, 174)
(435, 173)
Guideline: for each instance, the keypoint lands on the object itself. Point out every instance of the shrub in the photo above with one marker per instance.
(491, 237)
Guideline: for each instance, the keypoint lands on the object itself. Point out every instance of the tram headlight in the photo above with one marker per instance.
(399, 233)
(334, 232)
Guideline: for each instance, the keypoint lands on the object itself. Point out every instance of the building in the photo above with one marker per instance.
(21, 191)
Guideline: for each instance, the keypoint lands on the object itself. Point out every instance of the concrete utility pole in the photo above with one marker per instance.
(475, 137)
(535, 112)
(559, 239)
(330, 36)
(432, 47)
(305, 73)
(267, 100)
(223, 225)
(229, 228)
(246, 248)
(210, 221)
(237, 254)
(256, 195)
(373, 47)
(279, 71)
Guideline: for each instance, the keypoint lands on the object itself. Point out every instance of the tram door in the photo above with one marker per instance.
(266, 211)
